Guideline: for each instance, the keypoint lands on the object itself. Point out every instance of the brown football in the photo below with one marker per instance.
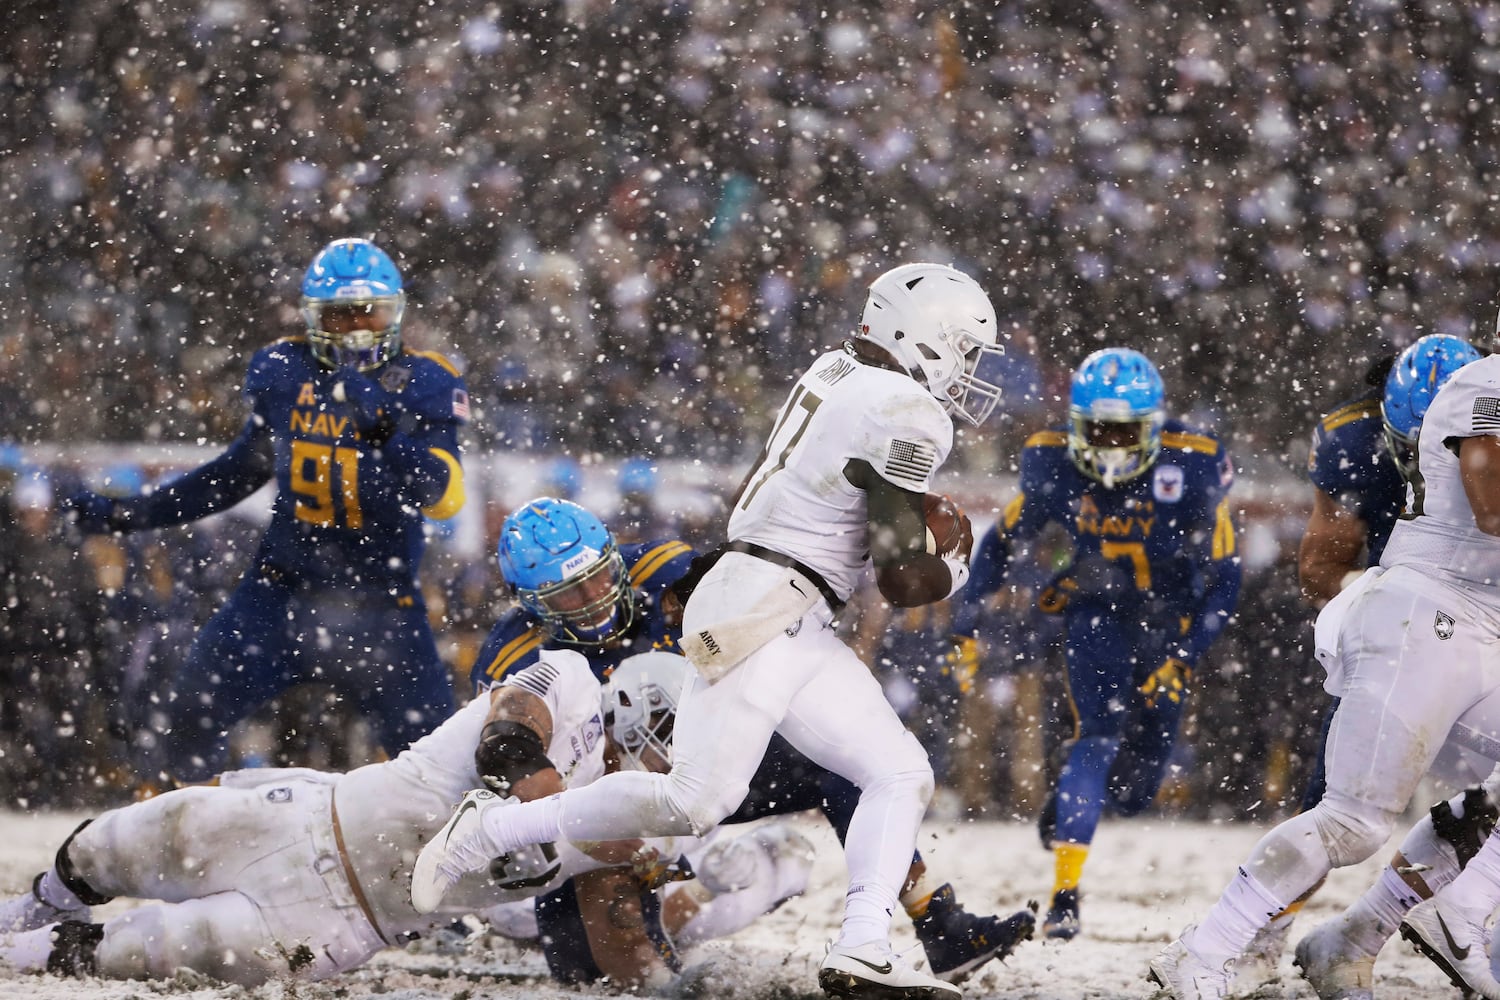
(948, 529)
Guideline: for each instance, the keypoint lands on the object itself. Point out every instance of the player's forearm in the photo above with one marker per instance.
(1218, 607)
(212, 487)
(430, 474)
(1322, 579)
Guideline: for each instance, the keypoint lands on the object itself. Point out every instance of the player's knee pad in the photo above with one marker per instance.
(1350, 830)
(108, 853)
(72, 875)
(915, 781)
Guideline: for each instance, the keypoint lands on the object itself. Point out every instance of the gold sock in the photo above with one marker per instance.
(1070, 859)
(916, 897)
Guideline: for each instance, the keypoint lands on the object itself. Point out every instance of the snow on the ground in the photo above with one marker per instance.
(1146, 879)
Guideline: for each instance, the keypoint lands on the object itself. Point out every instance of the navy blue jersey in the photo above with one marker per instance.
(1158, 548)
(1350, 462)
(517, 639)
(347, 511)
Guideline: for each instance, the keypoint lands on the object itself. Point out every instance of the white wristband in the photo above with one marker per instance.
(960, 571)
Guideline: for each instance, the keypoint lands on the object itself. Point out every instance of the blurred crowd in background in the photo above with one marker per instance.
(631, 223)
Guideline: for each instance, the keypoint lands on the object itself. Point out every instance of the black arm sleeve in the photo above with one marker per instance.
(507, 753)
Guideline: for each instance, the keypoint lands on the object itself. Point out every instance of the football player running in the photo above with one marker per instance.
(840, 483)
(361, 437)
(578, 588)
(1153, 579)
(292, 872)
(1362, 456)
(1411, 649)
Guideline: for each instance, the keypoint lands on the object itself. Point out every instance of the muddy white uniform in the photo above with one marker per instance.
(763, 631)
(300, 871)
(1420, 645)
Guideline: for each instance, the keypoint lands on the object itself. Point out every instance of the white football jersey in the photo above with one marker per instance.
(1437, 533)
(797, 500)
(387, 811)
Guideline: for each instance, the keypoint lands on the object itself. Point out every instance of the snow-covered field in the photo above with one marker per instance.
(1145, 879)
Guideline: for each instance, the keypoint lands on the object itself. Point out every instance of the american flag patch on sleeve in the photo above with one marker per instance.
(460, 404)
(1487, 414)
(910, 461)
(537, 678)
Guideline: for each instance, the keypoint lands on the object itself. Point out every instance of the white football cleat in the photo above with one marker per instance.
(1457, 941)
(1187, 977)
(873, 970)
(460, 847)
(1334, 966)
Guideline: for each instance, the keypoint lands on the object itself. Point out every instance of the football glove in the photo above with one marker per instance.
(93, 513)
(1170, 681)
(368, 402)
(963, 661)
(652, 870)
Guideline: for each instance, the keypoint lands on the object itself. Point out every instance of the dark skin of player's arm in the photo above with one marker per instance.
(906, 573)
(1330, 549)
(608, 898)
(1479, 468)
(609, 901)
(512, 704)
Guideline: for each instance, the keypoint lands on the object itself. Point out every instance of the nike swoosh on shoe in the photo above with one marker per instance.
(1458, 953)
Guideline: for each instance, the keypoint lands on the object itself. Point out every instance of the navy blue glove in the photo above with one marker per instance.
(369, 403)
(93, 513)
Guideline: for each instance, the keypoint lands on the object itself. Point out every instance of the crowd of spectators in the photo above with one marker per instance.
(630, 220)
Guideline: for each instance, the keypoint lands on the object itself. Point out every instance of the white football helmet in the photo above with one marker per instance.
(641, 699)
(938, 324)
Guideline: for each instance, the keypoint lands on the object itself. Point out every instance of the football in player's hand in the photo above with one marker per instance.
(948, 529)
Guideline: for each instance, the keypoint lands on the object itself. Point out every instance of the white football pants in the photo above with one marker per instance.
(812, 689)
(1422, 666)
(250, 882)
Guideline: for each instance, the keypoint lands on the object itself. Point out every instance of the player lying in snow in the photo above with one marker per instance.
(294, 871)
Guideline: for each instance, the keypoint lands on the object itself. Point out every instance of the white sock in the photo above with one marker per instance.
(55, 894)
(867, 914)
(535, 822)
(1232, 923)
(27, 951)
(1371, 920)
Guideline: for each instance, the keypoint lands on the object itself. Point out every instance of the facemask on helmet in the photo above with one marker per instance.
(1115, 415)
(939, 325)
(352, 302)
(1415, 378)
(641, 699)
(566, 571)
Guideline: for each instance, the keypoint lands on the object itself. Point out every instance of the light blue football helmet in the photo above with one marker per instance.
(347, 281)
(1115, 414)
(566, 571)
(1415, 378)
